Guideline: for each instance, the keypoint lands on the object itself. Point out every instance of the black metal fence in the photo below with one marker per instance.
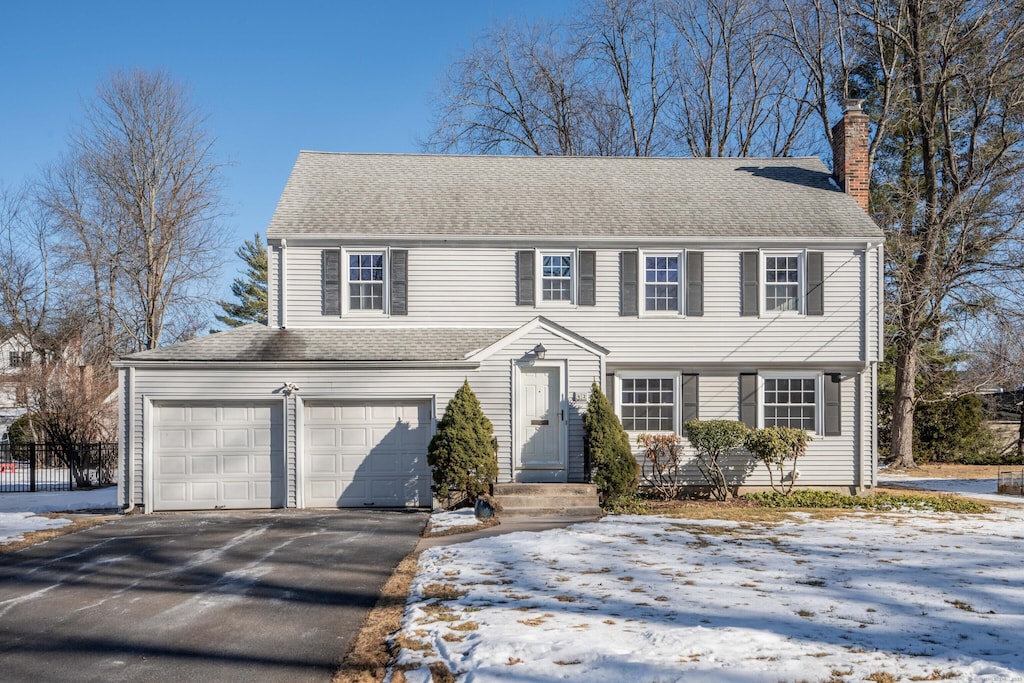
(54, 467)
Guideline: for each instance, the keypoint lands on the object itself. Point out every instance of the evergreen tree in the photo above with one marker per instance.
(615, 469)
(463, 452)
(251, 290)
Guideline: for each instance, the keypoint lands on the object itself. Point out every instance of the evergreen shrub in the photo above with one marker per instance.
(614, 468)
(463, 452)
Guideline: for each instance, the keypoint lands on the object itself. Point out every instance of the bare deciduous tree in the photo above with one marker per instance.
(634, 78)
(137, 201)
(947, 171)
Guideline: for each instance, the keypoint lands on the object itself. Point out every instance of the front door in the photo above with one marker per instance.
(541, 424)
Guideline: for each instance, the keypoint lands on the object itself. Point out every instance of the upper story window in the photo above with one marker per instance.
(19, 359)
(791, 402)
(556, 277)
(366, 281)
(661, 282)
(782, 283)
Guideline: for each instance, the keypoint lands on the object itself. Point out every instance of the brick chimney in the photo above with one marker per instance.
(850, 152)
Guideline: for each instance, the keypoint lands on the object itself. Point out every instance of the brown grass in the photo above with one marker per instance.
(77, 524)
(368, 656)
(943, 470)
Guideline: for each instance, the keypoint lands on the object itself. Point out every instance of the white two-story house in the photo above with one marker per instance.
(743, 289)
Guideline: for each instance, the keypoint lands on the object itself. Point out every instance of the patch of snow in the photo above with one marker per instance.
(19, 511)
(14, 525)
(663, 599)
(982, 489)
(443, 521)
(60, 501)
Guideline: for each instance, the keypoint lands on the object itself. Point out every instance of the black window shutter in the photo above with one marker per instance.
(399, 285)
(749, 276)
(833, 404)
(588, 278)
(524, 266)
(815, 283)
(695, 283)
(330, 278)
(748, 399)
(628, 283)
(609, 389)
(691, 399)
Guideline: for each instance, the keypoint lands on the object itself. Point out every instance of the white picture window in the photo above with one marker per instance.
(782, 283)
(647, 403)
(366, 280)
(556, 274)
(662, 277)
(790, 401)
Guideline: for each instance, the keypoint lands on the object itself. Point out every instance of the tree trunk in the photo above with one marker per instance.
(902, 445)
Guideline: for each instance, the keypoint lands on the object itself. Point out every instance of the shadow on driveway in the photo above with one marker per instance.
(225, 596)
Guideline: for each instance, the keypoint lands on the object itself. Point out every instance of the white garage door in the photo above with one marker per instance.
(213, 455)
(366, 453)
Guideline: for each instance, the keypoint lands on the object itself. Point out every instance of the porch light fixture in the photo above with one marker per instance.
(539, 351)
(290, 388)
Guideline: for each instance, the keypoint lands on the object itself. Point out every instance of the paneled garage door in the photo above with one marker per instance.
(213, 455)
(366, 453)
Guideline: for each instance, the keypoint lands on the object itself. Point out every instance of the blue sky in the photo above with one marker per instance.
(274, 77)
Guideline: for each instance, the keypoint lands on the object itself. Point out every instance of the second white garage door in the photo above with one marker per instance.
(366, 454)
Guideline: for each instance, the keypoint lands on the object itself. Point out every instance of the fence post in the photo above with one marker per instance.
(32, 467)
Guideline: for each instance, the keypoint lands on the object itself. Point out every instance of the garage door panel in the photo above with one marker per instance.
(377, 455)
(203, 438)
(171, 438)
(223, 455)
(201, 414)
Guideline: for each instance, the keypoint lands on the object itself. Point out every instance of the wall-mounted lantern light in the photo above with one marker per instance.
(539, 351)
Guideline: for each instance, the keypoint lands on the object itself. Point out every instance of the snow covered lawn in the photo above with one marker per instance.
(635, 598)
(19, 512)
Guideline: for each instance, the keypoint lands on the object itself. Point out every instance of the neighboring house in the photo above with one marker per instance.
(16, 355)
(713, 288)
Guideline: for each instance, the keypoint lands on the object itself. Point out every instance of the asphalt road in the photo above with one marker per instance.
(226, 596)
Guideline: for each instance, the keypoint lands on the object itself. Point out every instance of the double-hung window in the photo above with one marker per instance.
(648, 402)
(662, 275)
(366, 280)
(791, 401)
(782, 283)
(556, 277)
(19, 359)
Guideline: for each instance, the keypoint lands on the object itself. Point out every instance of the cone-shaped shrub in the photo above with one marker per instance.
(463, 452)
(615, 470)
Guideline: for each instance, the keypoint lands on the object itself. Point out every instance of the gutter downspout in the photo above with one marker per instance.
(283, 297)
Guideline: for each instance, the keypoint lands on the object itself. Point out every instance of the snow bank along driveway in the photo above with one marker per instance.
(658, 599)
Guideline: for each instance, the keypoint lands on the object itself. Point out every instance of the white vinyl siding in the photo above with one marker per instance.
(720, 335)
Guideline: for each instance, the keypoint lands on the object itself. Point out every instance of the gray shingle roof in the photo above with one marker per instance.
(260, 344)
(395, 195)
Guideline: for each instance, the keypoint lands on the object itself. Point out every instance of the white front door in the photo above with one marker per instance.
(541, 452)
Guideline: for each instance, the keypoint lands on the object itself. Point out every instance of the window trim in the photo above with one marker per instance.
(538, 281)
(346, 298)
(680, 308)
(677, 405)
(801, 293)
(819, 398)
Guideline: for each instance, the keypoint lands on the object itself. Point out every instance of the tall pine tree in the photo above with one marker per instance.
(251, 290)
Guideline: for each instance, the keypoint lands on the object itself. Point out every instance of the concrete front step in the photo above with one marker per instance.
(563, 501)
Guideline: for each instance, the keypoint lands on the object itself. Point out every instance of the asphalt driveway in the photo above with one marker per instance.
(226, 596)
